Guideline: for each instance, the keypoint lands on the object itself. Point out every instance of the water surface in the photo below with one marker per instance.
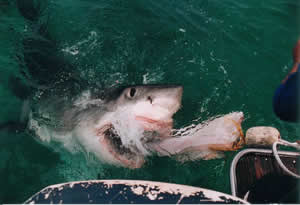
(229, 55)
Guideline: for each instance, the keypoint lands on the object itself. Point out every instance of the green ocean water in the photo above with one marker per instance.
(229, 55)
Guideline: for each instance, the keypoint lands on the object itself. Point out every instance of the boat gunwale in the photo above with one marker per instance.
(238, 156)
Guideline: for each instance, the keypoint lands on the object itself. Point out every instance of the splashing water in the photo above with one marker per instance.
(130, 131)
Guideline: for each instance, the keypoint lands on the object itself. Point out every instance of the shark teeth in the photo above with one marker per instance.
(127, 157)
(116, 142)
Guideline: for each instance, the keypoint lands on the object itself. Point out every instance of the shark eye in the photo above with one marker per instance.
(132, 92)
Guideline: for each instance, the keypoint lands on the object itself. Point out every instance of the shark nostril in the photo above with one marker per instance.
(150, 99)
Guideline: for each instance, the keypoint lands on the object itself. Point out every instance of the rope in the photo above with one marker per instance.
(275, 152)
(240, 141)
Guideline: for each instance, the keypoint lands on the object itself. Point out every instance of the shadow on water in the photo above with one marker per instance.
(26, 166)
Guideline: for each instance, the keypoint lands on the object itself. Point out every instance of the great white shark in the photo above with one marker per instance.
(121, 125)
(128, 124)
(144, 111)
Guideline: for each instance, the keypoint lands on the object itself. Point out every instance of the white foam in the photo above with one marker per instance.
(130, 131)
(85, 99)
(153, 76)
(74, 50)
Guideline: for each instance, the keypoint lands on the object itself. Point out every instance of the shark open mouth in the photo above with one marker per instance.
(127, 156)
(154, 130)
(115, 141)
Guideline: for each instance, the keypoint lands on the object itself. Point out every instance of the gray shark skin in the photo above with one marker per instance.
(98, 124)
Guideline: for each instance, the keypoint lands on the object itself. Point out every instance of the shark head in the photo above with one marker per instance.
(135, 116)
(151, 105)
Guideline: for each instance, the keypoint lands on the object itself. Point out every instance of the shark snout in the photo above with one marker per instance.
(168, 97)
